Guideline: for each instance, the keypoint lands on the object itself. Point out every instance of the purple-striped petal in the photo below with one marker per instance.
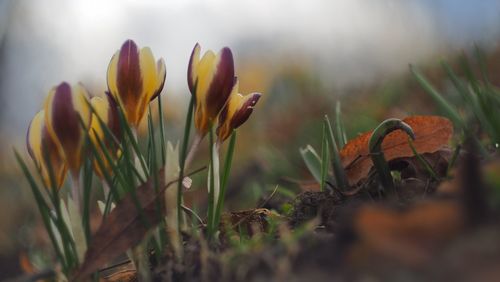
(221, 84)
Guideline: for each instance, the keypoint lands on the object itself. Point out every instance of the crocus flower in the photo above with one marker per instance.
(210, 80)
(236, 112)
(106, 110)
(44, 151)
(65, 108)
(134, 79)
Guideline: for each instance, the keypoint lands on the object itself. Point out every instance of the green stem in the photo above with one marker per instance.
(376, 153)
(225, 176)
(76, 194)
(182, 161)
(162, 131)
(211, 192)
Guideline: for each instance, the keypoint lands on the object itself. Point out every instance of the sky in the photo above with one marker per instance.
(45, 42)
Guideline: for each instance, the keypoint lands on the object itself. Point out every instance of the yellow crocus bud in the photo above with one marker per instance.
(106, 110)
(210, 79)
(134, 79)
(236, 112)
(43, 149)
(66, 108)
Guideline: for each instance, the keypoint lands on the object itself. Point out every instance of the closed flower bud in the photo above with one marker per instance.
(106, 110)
(210, 79)
(236, 112)
(134, 79)
(45, 152)
(66, 107)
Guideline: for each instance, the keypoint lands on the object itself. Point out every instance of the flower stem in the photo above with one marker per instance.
(105, 189)
(192, 151)
(75, 191)
(182, 163)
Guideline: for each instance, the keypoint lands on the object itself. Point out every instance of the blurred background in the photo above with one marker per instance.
(304, 56)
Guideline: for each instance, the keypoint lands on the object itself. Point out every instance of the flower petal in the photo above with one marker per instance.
(128, 79)
(64, 107)
(107, 112)
(221, 84)
(214, 79)
(247, 103)
(43, 149)
(161, 72)
(236, 112)
(194, 60)
(134, 79)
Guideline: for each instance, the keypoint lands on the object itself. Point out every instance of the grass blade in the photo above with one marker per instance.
(325, 155)
(447, 108)
(312, 161)
(87, 188)
(423, 161)
(43, 208)
(338, 170)
(339, 129)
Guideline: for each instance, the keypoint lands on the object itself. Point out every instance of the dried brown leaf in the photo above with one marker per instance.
(432, 133)
(124, 228)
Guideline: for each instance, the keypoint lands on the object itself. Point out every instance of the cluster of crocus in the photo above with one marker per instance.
(56, 135)
(215, 88)
(73, 126)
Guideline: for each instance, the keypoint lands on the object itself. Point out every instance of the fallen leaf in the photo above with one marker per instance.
(124, 228)
(412, 167)
(432, 133)
(122, 276)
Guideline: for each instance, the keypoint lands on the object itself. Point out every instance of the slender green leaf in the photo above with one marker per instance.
(156, 184)
(312, 161)
(325, 156)
(132, 138)
(87, 188)
(339, 129)
(453, 159)
(447, 108)
(338, 170)
(423, 161)
(43, 208)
